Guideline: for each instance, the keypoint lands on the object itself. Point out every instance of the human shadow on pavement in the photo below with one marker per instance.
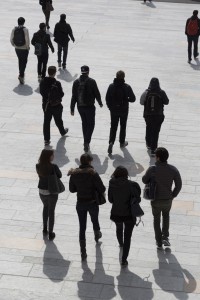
(23, 90)
(177, 280)
(66, 75)
(128, 162)
(150, 4)
(96, 163)
(56, 267)
(196, 66)
(60, 156)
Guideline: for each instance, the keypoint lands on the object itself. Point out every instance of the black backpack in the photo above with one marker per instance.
(153, 104)
(39, 45)
(54, 97)
(19, 37)
(82, 92)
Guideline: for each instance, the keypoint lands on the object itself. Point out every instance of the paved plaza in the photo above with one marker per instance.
(145, 41)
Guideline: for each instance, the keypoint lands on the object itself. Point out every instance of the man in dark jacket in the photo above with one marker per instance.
(49, 88)
(165, 175)
(192, 30)
(42, 38)
(62, 32)
(118, 96)
(153, 100)
(84, 93)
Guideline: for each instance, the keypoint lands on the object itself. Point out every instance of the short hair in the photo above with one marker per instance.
(21, 21)
(51, 70)
(42, 25)
(120, 74)
(195, 13)
(162, 154)
(120, 171)
(85, 159)
(63, 17)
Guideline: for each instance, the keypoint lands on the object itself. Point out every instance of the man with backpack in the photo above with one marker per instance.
(192, 30)
(84, 93)
(20, 40)
(153, 100)
(52, 94)
(118, 96)
(42, 41)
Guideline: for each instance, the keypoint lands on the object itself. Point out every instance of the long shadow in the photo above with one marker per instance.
(150, 4)
(60, 152)
(66, 75)
(55, 268)
(197, 66)
(23, 90)
(174, 281)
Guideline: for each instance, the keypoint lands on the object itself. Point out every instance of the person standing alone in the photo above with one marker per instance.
(192, 30)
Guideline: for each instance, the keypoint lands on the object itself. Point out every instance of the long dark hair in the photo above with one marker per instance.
(120, 171)
(154, 84)
(44, 166)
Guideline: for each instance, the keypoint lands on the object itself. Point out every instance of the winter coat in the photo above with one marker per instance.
(62, 32)
(43, 38)
(45, 86)
(43, 180)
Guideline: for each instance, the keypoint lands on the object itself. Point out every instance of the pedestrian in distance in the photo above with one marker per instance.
(119, 194)
(42, 41)
(20, 40)
(84, 93)
(52, 94)
(153, 99)
(118, 96)
(62, 35)
(192, 30)
(85, 181)
(47, 7)
(165, 176)
(44, 168)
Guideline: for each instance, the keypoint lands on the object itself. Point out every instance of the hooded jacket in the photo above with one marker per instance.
(43, 38)
(62, 31)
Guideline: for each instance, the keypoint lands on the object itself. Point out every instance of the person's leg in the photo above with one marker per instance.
(123, 121)
(57, 114)
(44, 63)
(113, 126)
(166, 207)
(65, 52)
(82, 216)
(156, 211)
(39, 66)
(47, 17)
(148, 131)
(156, 125)
(22, 60)
(94, 215)
(129, 225)
(189, 38)
(44, 200)
(59, 53)
(195, 51)
(119, 233)
(46, 124)
(52, 200)
(90, 116)
(82, 113)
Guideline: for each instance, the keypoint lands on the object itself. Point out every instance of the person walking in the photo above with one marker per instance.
(85, 181)
(47, 7)
(20, 40)
(52, 94)
(192, 30)
(153, 99)
(44, 168)
(165, 176)
(62, 32)
(119, 194)
(118, 96)
(84, 93)
(42, 40)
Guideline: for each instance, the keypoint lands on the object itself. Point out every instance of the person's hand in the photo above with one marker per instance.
(101, 105)
(72, 113)
(53, 50)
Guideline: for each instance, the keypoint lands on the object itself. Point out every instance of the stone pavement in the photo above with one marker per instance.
(144, 41)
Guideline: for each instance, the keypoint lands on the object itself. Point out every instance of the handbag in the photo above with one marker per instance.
(55, 185)
(136, 210)
(150, 189)
(100, 198)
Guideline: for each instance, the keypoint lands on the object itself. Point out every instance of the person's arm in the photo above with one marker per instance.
(27, 40)
(72, 186)
(99, 184)
(165, 99)
(55, 31)
(178, 184)
(50, 43)
(108, 96)
(147, 176)
(60, 88)
(11, 37)
(74, 98)
(143, 98)
(110, 198)
(97, 93)
(57, 171)
(33, 41)
(131, 95)
(186, 26)
(71, 34)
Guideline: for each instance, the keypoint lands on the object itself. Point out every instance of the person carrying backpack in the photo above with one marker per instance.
(20, 40)
(84, 93)
(192, 30)
(52, 94)
(153, 100)
(42, 41)
(118, 96)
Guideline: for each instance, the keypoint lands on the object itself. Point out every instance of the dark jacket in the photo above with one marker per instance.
(91, 91)
(62, 31)
(188, 20)
(43, 38)
(165, 176)
(118, 95)
(85, 181)
(43, 181)
(44, 2)
(45, 86)
(119, 194)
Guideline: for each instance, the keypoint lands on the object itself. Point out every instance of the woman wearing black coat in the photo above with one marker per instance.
(119, 194)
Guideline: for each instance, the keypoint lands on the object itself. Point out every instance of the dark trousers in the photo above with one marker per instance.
(65, 52)
(49, 202)
(22, 60)
(82, 210)
(56, 113)
(158, 207)
(47, 16)
(194, 40)
(42, 64)
(115, 118)
(87, 114)
(153, 125)
(124, 232)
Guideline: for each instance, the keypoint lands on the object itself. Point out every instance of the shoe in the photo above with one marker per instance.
(21, 79)
(39, 78)
(196, 55)
(159, 245)
(59, 65)
(66, 131)
(64, 67)
(189, 61)
(153, 154)
(124, 263)
(45, 231)
(86, 147)
(123, 145)
(165, 242)
(97, 235)
(110, 148)
(52, 236)
(47, 143)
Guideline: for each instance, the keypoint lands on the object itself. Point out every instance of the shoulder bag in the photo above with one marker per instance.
(55, 185)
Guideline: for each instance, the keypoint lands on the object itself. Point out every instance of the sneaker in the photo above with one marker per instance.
(47, 143)
(52, 236)
(189, 61)
(110, 148)
(124, 263)
(159, 245)
(196, 55)
(86, 147)
(64, 67)
(153, 154)
(66, 131)
(21, 79)
(97, 236)
(123, 145)
(45, 231)
(59, 65)
(165, 242)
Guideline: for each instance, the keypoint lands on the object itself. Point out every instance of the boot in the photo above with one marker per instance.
(97, 235)
(83, 249)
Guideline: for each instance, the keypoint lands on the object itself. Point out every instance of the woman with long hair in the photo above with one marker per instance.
(44, 168)
(119, 194)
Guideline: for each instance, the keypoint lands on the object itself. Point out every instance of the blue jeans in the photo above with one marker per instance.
(82, 210)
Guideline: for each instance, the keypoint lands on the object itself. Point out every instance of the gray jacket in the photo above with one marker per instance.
(165, 176)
